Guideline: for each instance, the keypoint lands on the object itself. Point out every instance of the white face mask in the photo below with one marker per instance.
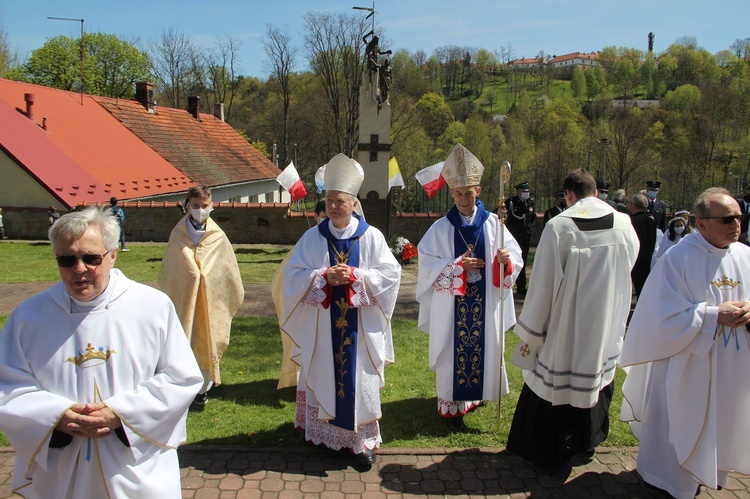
(679, 230)
(525, 195)
(603, 196)
(200, 214)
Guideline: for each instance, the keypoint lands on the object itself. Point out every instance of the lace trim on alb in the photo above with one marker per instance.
(319, 431)
(362, 296)
(450, 281)
(316, 295)
(452, 408)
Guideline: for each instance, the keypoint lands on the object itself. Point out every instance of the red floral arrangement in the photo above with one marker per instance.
(408, 252)
(404, 250)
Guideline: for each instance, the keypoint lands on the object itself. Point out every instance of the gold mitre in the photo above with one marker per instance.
(343, 174)
(462, 168)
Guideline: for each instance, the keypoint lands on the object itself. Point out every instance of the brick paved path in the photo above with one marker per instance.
(234, 472)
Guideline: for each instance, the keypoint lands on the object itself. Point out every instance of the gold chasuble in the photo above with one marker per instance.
(205, 285)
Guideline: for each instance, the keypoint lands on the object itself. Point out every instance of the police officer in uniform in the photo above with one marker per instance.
(603, 188)
(557, 208)
(520, 219)
(656, 207)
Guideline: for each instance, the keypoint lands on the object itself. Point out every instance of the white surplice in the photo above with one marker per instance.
(577, 304)
(130, 352)
(438, 284)
(309, 326)
(686, 392)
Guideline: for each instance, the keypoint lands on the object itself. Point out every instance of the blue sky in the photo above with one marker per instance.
(528, 26)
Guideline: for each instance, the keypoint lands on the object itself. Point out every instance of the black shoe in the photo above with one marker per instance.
(457, 424)
(199, 402)
(365, 458)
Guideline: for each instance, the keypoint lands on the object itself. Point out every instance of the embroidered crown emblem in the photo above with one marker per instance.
(725, 281)
(91, 353)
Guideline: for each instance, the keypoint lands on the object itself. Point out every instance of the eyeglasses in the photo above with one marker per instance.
(725, 220)
(68, 261)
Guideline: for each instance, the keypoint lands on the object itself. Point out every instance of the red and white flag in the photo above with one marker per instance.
(289, 180)
(430, 179)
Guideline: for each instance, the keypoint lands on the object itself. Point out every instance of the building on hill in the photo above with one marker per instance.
(564, 65)
(64, 149)
(527, 65)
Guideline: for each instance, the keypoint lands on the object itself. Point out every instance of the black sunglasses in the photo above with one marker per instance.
(68, 261)
(725, 220)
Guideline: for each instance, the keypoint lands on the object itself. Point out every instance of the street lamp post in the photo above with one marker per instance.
(604, 142)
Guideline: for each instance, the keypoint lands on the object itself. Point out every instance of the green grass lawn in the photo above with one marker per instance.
(247, 409)
(34, 262)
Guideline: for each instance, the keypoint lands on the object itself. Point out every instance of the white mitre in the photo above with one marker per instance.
(343, 174)
(462, 168)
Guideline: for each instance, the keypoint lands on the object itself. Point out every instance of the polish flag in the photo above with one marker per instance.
(430, 179)
(289, 180)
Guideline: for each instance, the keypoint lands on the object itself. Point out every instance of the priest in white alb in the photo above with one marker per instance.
(465, 278)
(571, 328)
(686, 393)
(96, 376)
(340, 289)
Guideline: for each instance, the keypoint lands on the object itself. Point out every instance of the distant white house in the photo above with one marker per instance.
(562, 65)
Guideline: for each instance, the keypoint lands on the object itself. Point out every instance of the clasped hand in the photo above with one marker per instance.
(339, 274)
(470, 263)
(734, 313)
(88, 421)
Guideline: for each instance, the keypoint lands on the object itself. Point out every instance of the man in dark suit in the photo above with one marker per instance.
(520, 219)
(645, 228)
(557, 208)
(656, 207)
(744, 203)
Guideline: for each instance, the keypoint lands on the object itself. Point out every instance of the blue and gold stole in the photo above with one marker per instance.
(469, 310)
(344, 326)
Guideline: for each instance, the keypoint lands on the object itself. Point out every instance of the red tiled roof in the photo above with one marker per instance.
(575, 55)
(208, 150)
(85, 154)
(528, 60)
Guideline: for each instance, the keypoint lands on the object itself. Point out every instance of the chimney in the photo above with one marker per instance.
(219, 110)
(144, 93)
(29, 98)
(193, 101)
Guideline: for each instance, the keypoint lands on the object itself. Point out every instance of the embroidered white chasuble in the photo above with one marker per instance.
(440, 281)
(129, 352)
(308, 324)
(686, 393)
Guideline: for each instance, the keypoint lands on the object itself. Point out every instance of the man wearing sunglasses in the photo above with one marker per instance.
(688, 348)
(96, 376)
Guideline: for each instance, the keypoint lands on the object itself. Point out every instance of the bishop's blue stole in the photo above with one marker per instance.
(469, 310)
(344, 324)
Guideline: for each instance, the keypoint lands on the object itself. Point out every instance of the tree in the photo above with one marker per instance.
(6, 59)
(216, 71)
(334, 50)
(280, 64)
(435, 114)
(578, 83)
(117, 65)
(741, 48)
(172, 60)
(111, 66)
